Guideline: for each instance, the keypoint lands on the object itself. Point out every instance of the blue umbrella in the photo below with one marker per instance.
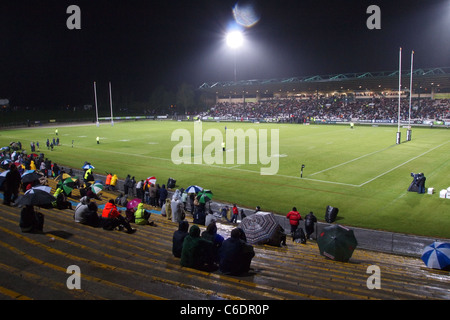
(193, 189)
(6, 162)
(88, 166)
(437, 255)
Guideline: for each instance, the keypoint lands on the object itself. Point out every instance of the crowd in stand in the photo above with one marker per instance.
(205, 251)
(334, 108)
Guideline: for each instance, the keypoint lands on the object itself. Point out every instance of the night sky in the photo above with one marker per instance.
(139, 45)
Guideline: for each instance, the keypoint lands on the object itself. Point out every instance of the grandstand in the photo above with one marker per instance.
(115, 265)
(431, 83)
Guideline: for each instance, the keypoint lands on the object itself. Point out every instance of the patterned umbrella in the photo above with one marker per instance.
(205, 196)
(88, 166)
(97, 187)
(67, 185)
(437, 255)
(151, 180)
(63, 177)
(260, 228)
(5, 163)
(193, 189)
(337, 243)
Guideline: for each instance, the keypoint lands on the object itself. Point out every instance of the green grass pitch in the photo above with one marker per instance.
(361, 171)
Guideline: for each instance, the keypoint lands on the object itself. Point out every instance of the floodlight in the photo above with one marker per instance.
(235, 39)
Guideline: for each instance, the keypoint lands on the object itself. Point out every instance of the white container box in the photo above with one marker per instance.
(443, 193)
(430, 190)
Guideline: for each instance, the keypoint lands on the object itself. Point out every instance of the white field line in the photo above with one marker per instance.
(344, 163)
(280, 175)
(402, 164)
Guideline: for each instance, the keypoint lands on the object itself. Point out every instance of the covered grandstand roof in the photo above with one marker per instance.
(425, 79)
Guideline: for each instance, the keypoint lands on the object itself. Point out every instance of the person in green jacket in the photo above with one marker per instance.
(197, 252)
(141, 215)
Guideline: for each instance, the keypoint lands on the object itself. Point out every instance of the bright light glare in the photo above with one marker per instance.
(235, 39)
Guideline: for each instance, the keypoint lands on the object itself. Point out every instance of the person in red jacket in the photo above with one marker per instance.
(294, 218)
(235, 214)
(111, 218)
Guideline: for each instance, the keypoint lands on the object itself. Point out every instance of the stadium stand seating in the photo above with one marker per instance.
(116, 265)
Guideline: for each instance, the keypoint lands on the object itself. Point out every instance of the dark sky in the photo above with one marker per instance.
(138, 45)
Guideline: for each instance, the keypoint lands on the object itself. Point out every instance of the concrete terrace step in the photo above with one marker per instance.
(116, 265)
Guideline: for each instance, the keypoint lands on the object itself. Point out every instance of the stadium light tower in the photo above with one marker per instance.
(235, 39)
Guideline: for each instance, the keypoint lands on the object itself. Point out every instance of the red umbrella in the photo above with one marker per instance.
(151, 180)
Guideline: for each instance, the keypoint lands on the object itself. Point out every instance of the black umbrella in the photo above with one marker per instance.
(30, 177)
(36, 197)
(337, 243)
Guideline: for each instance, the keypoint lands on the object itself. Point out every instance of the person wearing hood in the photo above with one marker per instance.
(108, 181)
(162, 195)
(113, 182)
(86, 213)
(211, 234)
(88, 177)
(178, 238)
(111, 218)
(177, 210)
(61, 200)
(235, 256)
(141, 215)
(310, 221)
(197, 252)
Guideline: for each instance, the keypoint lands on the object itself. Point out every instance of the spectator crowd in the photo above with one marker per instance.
(332, 109)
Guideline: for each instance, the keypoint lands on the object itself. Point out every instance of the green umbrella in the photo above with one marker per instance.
(205, 196)
(66, 185)
(97, 187)
(337, 243)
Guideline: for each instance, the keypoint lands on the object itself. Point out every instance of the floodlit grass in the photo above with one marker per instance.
(361, 171)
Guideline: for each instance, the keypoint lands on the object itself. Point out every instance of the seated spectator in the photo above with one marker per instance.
(122, 200)
(211, 234)
(235, 255)
(112, 219)
(30, 220)
(61, 200)
(86, 213)
(141, 215)
(197, 252)
(178, 238)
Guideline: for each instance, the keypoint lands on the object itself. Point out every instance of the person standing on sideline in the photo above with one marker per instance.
(108, 181)
(98, 140)
(235, 214)
(310, 221)
(294, 218)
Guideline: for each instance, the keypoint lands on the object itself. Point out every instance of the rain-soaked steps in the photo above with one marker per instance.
(117, 265)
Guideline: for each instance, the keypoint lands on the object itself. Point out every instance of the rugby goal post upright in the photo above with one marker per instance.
(96, 109)
(110, 103)
(408, 132)
(399, 134)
